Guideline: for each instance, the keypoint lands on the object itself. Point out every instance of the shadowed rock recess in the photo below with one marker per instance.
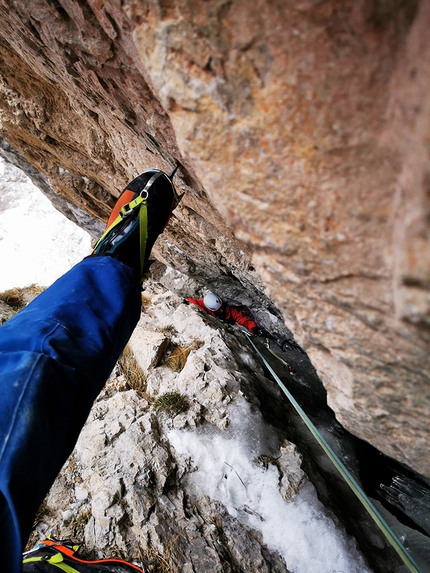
(302, 131)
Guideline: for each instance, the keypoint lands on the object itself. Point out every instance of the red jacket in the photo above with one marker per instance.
(227, 313)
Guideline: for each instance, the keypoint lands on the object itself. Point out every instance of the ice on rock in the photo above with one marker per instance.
(227, 470)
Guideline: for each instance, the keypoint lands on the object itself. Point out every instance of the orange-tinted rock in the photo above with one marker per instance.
(307, 125)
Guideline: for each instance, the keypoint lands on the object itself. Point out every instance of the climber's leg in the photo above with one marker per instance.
(55, 356)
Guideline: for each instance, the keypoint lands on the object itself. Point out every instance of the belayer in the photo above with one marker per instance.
(215, 306)
(55, 356)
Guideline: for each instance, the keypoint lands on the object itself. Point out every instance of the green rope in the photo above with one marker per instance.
(143, 232)
(376, 516)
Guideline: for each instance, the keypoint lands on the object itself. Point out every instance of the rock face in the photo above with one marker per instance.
(210, 489)
(302, 129)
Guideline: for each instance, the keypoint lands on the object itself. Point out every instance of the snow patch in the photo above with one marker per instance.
(37, 243)
(227, 471)
(274, 319)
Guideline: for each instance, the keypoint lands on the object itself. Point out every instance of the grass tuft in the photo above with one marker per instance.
(178, 356)
(79, 522)
(157, 562)
(168, 329)
(145, 301)
(133, 373)
(13, 297)
(40, 513)
(265, 461)
(17, 298)
(172, 403)
(34, 290)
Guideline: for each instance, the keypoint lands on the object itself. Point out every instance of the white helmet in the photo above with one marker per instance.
(212, 302)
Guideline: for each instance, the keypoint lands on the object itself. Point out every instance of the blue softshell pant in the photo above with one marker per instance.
(55, 356)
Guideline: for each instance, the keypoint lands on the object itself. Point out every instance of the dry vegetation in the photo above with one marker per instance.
(145, 301)
(156, 562)
(179, 354)
(133, 373)
(78, 523)
(17, 298)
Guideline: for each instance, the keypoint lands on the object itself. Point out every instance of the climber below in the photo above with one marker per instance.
(215, 306)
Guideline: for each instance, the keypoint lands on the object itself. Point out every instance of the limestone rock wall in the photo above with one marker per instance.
(302, 129)
(128, 489)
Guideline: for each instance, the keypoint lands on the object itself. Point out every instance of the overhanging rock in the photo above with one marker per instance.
(302, 133)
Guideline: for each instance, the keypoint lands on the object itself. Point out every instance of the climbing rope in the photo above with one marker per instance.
(373, 512)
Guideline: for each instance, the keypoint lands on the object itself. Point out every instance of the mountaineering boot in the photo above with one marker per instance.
(52, 556)
(139, 216)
